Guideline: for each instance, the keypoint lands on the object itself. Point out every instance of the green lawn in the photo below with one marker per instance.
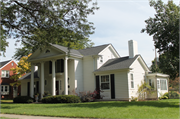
(106, 109)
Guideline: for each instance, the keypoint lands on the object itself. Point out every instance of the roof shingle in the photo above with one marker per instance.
(28, 76)
(117, 63)
(93, 50)
(4, 63)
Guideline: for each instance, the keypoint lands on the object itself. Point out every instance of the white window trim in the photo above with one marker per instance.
(109, 82)
(160, 83)
(5, 73)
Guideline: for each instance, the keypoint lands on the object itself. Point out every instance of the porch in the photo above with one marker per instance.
(56, 76)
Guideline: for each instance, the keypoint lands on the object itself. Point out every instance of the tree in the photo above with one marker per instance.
(3, 42)
(164, 28)
(155, 68)
(21, 69)
(166, 65)
(36, 23)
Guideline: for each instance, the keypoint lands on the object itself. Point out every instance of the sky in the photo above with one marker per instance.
(117, 22)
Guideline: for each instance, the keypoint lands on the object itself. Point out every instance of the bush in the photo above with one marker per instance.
(173, 95)
(23, 99)
(61, 99)
(166, 94)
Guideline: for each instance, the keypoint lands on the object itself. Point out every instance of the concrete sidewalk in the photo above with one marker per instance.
(33, 117)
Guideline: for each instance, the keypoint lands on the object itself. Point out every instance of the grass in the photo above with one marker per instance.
(106, 109)
(8, 118)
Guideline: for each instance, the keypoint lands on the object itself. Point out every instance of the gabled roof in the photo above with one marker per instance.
(28, 76)
(65, 49)
(93, 50)
(4, 63)
(117, 63)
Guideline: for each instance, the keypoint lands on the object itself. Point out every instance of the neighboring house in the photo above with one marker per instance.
(8, 91)
(61, 72)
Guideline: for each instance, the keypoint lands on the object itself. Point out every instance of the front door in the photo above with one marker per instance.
(57, 87)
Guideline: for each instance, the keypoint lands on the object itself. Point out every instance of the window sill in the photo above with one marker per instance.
(4, 93)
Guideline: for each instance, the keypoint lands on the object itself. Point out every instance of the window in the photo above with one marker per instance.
(150, 82)
(132, 81)
(105, 82)
(12, 64)
(163, 84)
(4, 89)
(59, 66)
(158, 85)
(101, 59)
(5, 74)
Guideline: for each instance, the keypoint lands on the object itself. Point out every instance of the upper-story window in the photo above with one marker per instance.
(5, 74)
(101, 59)
(12, 64)
(59, 66)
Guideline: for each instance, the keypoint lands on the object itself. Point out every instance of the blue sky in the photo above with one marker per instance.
(117, 22)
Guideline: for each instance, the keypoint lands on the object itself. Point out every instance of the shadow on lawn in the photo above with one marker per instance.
(111, 104)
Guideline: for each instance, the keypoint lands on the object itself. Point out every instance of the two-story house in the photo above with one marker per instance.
(8, 91)
(61, 72)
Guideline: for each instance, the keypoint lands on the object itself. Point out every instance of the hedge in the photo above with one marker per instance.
(23, 99)
(61, 99)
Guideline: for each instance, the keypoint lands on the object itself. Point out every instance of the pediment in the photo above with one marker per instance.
(46, 53)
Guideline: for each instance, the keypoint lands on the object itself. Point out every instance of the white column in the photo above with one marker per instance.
(65, 76)
(42, 79)
(53, 78)
(32, 81)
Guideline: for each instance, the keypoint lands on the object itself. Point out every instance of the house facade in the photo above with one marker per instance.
(63, 72)
(8, 91)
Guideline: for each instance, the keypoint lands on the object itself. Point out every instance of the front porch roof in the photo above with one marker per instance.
(158, 75)
(28, 76)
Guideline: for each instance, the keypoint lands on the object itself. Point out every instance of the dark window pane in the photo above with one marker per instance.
(58, 65)
(104, 85)
(50, 67)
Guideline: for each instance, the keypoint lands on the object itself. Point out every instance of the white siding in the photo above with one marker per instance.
(138, 76)
(78, 82)
(106, 55)
(121, 86)
(89, 78)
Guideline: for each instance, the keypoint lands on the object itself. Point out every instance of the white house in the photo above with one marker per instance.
(61, 72)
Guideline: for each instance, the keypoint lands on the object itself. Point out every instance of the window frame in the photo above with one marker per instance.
(150, 82)
(105, 82)
(165, 84)
(5, 73)
(132, 80)
(4, 88)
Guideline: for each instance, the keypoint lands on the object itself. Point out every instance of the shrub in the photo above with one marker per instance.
(166, 94)
(61, 99)
(23, 99)
(173, 95)
(89, 96)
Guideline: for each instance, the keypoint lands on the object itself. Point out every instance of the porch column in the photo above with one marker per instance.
(53, 78)
(65, 76)
(42, 79)
(32, 81)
